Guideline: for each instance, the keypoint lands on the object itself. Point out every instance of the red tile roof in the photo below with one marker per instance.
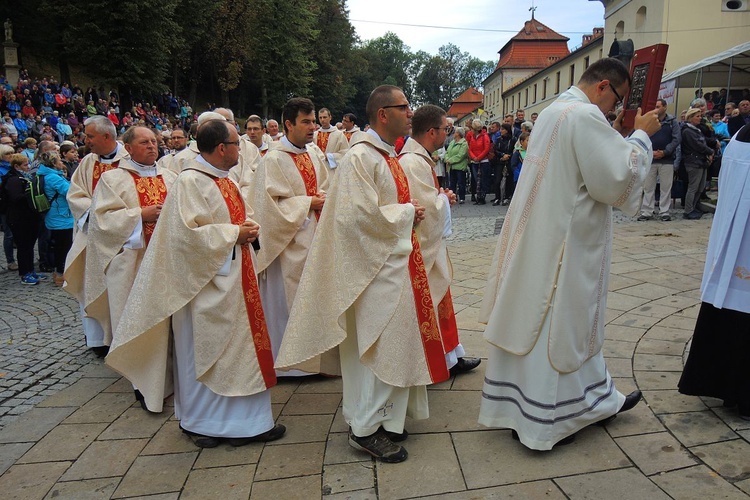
(535, 46)
(469, 101)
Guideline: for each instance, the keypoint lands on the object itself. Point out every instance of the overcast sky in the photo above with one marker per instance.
(499, 19)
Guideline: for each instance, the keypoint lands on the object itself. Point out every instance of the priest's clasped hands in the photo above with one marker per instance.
(248, 232)
(450, 194)
(150, 213)
(418, 211)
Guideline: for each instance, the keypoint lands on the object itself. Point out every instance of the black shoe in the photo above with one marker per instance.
(379, 446)
(271, 435)
(464, 365)
(200, 440)
(630, 401)
(506, 202)
(481, 201)
(139, 397)
(495, 203)
(694, 215)
(100, 351)
(397, 438)
(562, 442)
(473, 197)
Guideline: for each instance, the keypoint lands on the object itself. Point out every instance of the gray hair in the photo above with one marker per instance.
(209, 115)
(527, 126)
(226, 113)
(698, 102)
(476, 124)
(461, 131)
(49, 158)
(102, 125)
(5, 149)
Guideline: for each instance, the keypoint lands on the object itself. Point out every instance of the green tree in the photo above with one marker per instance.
(123, 44)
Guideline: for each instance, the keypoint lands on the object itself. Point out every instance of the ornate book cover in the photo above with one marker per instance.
(646, 70)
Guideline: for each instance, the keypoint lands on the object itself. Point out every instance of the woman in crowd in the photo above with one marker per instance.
(696, 156)
(22, 219)
(519, 155)
(717, 365)
(457, 161)
(59, 219)
(503, 150)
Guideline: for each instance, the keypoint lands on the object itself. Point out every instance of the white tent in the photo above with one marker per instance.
(727, 69)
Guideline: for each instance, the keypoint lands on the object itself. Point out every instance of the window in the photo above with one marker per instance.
(619, 30)
(535, 92)
(586, 62)
(544, 87)
(640, 18)
(527, 97)
(557, 83)
(572, 74)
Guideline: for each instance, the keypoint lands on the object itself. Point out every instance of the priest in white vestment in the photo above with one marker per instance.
(545, 300)
(339, 143)
(323, 135)
(288, 197)
(717, 365)
(429, 127)
(106, 154)
(365, 289)
(123, 215)
(198, 273)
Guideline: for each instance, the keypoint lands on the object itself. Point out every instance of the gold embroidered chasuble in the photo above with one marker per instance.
(419, 169)
(359, 260)
(554, 250)
(193, 240)
(111, 262)
(81, 192)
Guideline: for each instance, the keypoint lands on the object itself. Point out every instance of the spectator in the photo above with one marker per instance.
(22, 219)
(113, 117)
(457, 161)
(28, 109)
(30, 148)
(696, 155)
(516, 161)
(64, 132)
(479, 149)
(6, 152)
(69, 156)
(59, 219)
(503, 147)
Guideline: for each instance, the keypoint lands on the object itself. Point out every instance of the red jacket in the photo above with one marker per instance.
(479, 146)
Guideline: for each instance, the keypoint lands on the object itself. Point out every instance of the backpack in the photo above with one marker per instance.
(35, 196)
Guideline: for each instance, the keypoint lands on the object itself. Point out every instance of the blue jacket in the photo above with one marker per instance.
(55, 183)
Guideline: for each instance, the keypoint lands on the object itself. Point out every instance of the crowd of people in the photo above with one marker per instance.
(307, 248)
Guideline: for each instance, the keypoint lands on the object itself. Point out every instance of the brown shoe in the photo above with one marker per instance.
(58, 279)
(379, 446)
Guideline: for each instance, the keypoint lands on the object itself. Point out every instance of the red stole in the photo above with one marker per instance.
(253, 306)
(151, 191)
(322, 141)
(349, 135)
(99, 169)
(428, 326)
(306, 169)
(263, 152)
(446, 314)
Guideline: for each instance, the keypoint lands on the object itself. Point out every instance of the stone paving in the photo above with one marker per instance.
(80, 435)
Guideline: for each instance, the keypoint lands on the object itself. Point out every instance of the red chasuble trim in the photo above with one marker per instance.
(446, 313)
(323, 140)
(250, 292)
(306, 169)
(348, 136)
(99, 169)
(151, 191)
(263, 152)
(428, 326)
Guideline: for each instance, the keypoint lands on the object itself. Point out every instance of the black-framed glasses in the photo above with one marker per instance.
(619, 97)
(402, 107)
(444, 129)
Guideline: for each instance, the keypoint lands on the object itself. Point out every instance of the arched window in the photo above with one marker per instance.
(640, 18)
(619, 29)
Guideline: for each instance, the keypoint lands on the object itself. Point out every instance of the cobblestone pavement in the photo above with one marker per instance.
(81, 436)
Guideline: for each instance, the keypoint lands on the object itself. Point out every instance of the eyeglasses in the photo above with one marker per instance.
(236, 143)
(444, 129)
(402, 107)
(619, 97)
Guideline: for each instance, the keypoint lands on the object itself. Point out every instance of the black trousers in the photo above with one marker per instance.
(25, 234)
(62, 240)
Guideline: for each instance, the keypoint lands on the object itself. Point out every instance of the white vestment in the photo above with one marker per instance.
(356, 293)
(726, 277)
(287, 226)
(81, 193)
(338, 144)
(545, 299)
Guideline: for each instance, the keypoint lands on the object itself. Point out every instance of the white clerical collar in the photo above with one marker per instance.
(263, 146)
(286, 142)
(216, 171)
(144, 170)
(111, 156)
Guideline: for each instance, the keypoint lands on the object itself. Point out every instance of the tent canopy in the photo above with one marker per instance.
(714, 71)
